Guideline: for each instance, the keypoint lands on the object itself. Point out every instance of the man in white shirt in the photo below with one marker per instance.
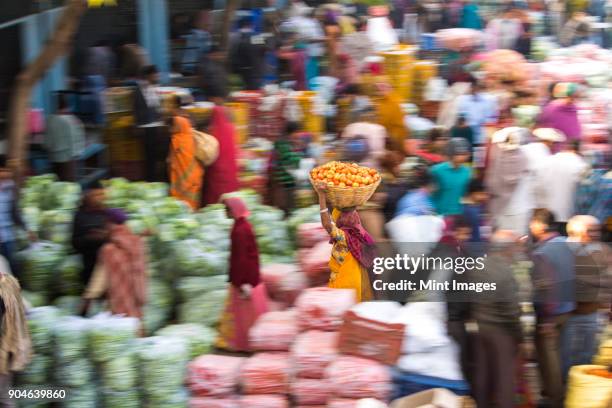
(556, 180)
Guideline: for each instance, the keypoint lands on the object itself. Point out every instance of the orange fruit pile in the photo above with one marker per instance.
(344, 175)
(600, 373)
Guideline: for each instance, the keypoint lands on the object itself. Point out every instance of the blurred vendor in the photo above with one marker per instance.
(120, 272)
(89, 229)
(64, 140)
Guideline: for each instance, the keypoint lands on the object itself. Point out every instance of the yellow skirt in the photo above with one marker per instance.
(349, 274)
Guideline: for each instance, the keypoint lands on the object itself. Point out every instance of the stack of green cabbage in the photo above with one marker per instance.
(72, 369)
(39, 262)
(202, 299)
(163, 362)
(199, 338)
(69, 276)
(271, 230)
(160, 298)
(525, 115)
(191, 258)
(40, 323)
(69, 305)
(302, 216)
(111, 340)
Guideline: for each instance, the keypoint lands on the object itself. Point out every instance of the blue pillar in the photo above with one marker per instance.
(35, 31)
(154, 34)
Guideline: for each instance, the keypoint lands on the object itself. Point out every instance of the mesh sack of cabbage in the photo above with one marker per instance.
(205, 309)
(120, 374)
(194, 286)
(56, 226)
(157, 310)
(323, 308)
(82, 397)
(162, 361)
(109, 335)
(271, 230)
(41, 323)
(302, 216)
(39, 261)
(199, 338)
(69, 279)
(123, 399)
(191, 258)
(37, 372)
(70, 339)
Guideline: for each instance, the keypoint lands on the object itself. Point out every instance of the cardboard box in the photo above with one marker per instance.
(433, 398)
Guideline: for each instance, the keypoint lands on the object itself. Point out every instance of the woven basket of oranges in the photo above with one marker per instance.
(348, 184)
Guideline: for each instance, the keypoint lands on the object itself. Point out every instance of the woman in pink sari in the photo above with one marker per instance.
(222, 176)
(247, 298)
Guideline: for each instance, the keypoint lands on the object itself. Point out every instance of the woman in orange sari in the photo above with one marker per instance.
(186, 173)
(352, 251)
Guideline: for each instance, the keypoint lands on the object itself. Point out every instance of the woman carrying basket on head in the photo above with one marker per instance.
(353, 248)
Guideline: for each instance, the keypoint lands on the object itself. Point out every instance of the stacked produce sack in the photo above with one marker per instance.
(213, 381)
(284, 283)
(72, 368)
(302, 216)
(199, 338)
(41, 321)
(162, 364)
(111, 342)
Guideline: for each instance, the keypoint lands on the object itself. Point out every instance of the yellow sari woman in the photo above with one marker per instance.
(186, 172)
(351, 251)
(391, 116)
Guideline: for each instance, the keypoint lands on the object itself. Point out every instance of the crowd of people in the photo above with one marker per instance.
(525, 193)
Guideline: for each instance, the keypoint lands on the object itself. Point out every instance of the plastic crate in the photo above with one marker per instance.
(407, 384)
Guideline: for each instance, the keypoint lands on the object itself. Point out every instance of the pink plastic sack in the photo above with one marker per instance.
(274, 306)
(272, 274)
(310, 234)
(266, 373)
(274, 331)
(312, 352)
(323, 308)
(212, 375)
(355, 377)
(315, 262)
(291, 286)
(264, 401)
(310, 392)
(342, 403)
(206, 402)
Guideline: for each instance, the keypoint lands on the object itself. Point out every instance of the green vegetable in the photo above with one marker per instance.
(82, 397)
(75, 373)
(41, 323)
(109, 336)
(38, 263)
(163, 362)
(37, 371)
(194, 286)
(69, 281)
(121, 372)
(70, 338)
(200, 338)
(123, 399)
(69, 305)
(205, 309)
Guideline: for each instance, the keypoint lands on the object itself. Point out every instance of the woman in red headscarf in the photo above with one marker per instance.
(353, 249)
(247, 298)
(222, 176)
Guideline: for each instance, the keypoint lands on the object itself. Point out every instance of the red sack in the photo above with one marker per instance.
(212, 375)
(206, 402)
(266, 373)
(274, 331)
(315, 263)
(312, 352)
(310, 392)
(355, 377)
(310, 234)
(323, 308)
(264, 401)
